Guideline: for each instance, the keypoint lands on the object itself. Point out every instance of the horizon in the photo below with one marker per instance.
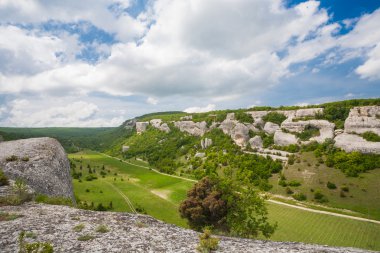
(85, 64)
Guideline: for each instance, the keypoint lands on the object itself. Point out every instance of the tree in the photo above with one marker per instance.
(204, 205)
(228, 207)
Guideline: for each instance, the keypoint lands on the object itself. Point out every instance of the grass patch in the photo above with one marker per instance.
(78, 228)
(274, 117)
(86, 237)
(102, 229)
(371, 136)
(8, 216)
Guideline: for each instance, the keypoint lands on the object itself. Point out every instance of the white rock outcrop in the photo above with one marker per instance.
(326, 129)
(205, 143)
(227, 126)
(157, 123)
(256, 142)
(284, 139)
(230, 116)
(124, 148)
(271, 128)
(240, 134)
(141, 127)
(353, 142)
(193, 128)
(363, 119)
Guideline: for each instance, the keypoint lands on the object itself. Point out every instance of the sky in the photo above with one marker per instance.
(98, 63)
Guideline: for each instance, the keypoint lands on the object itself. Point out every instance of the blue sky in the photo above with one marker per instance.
(98, 63)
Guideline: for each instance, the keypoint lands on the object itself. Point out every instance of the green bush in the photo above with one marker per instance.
(206, 242)
(319, 197)
(294, 183)
(36, 247)
(330, 185)
(308, 133)
(299, 196)
(243, 117)
(371, 136)
(345, 188)
(274, 117)
(78, 228)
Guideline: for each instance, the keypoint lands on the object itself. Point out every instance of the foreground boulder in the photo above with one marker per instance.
(127, 233)
(40, 162)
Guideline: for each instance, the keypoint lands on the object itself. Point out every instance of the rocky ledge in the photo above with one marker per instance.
(126, 233)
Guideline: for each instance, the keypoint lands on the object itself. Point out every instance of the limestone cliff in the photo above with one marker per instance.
(40, 162)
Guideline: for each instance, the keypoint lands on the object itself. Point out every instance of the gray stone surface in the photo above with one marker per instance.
(284, 139)
(363, 119)
(141, 127)
(41, 162)
(124, 148)
(271, 128)
(157, 123)
(193, 128)
(127, 233)
(256, 142)
(240, 134)
(353, 142)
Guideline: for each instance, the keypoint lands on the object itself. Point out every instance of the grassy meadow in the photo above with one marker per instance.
(159, 195)
(362, 195)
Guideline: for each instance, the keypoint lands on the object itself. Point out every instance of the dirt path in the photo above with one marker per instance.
(323, 212)
(129, 203)
(270, 200)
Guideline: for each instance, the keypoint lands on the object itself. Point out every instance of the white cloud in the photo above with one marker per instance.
(152, 101)
(79, 114)
(209, 107)
(216, 49)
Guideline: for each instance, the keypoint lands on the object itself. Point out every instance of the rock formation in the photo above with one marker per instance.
(129, 124)
(205, 143)
(157, 123)
(141, 127)
(256, 142)
(284, 139)
(363, 119)
(40, 162)
(353, 142)
(271, 128)
(193, 128)
(127, 233)
(124, 148)
(240, 134)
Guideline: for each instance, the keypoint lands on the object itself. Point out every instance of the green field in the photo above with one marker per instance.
(157, 194)
(363, 194)
(160, 196)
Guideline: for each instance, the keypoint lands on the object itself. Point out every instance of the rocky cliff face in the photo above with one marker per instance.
(360, 120)
(40, 162)
(127, 233)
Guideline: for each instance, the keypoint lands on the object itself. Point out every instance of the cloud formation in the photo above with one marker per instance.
(215, 50)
